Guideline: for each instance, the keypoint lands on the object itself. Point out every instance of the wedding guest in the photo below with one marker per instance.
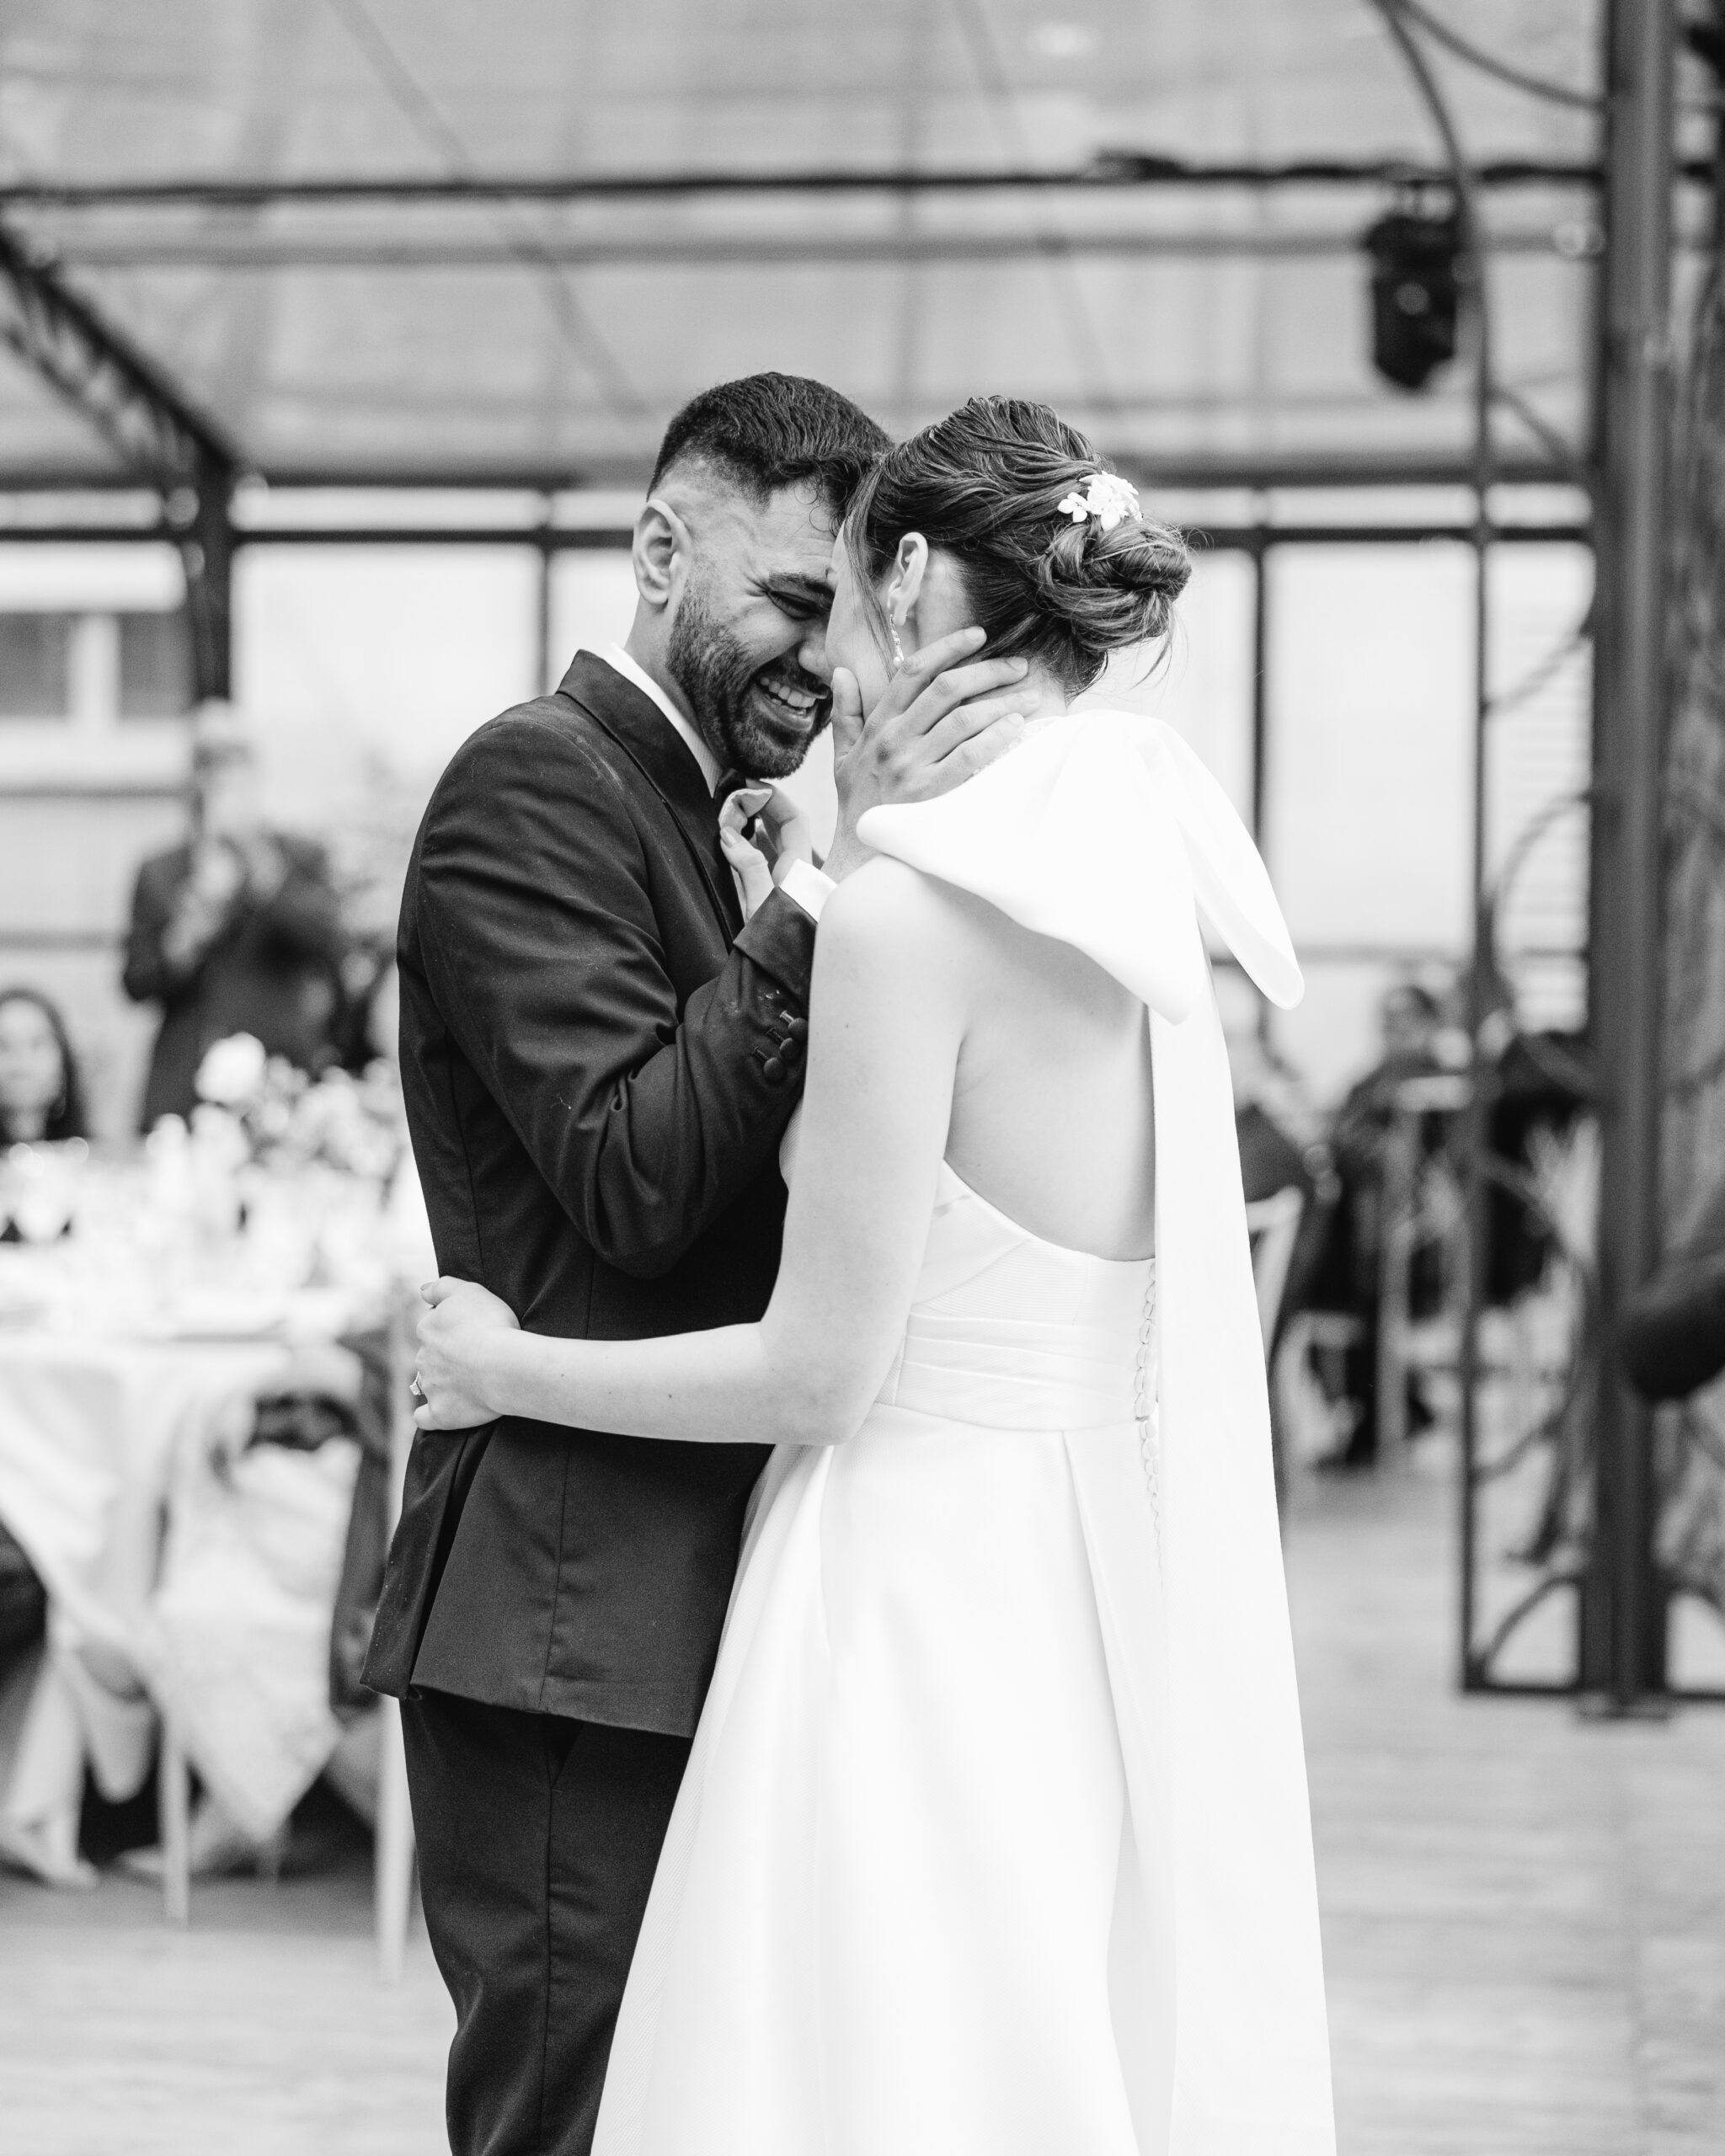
(1347, 1276)
(41, 1097)
(1270, 1117)
(23, 1601)
(237, 930)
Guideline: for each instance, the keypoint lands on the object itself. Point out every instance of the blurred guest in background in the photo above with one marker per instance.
(1271, 1118)
(1271, 1156)
(238, 931)
(1348, 1276)
(40, 1098)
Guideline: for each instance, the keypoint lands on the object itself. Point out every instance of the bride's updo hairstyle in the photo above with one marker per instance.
(984, 485)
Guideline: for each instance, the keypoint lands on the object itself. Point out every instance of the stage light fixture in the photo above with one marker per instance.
(1414, 290)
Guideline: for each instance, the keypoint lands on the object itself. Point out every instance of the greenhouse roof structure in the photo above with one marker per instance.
(498, 241)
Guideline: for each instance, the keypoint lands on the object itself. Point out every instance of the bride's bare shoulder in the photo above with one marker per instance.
(887, 906)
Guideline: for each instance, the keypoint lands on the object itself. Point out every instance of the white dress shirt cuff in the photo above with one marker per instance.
(811, 890)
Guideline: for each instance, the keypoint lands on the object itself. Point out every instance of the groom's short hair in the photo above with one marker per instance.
(772, 430)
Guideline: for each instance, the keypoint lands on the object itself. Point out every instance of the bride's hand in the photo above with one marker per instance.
(944, 715)
(456, 1336)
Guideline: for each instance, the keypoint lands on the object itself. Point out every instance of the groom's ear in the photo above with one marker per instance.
(660, 548)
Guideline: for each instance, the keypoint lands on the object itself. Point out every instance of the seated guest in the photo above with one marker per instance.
(1268, 1111)
(23, 1605)
(238, 931)
(1674, 1332)
(40, 1099)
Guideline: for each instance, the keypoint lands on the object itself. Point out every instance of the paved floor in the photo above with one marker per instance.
(1525, 1925)
(1524, 1912)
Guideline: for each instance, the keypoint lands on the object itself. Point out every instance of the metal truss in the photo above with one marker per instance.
(141, 414)
(153, 429)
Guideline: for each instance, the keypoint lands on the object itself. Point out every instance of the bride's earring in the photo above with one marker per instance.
(892, 630)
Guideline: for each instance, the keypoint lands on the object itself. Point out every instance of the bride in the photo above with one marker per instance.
(994, 1839)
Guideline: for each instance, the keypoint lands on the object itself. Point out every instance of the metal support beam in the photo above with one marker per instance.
(150, 424)
(1623, 1613)
(1260, 692)
(1110, 170)
(207, 552)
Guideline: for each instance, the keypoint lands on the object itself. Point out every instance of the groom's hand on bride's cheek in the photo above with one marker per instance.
(944, 716)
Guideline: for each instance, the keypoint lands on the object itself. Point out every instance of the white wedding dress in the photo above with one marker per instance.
(994, 1839)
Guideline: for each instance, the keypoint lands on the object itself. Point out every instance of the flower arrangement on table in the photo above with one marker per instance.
(287, 1181)
(274, 1116)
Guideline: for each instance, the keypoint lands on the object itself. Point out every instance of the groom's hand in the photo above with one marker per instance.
(940, 722)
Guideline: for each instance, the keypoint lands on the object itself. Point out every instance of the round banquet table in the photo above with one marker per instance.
(93, 1415)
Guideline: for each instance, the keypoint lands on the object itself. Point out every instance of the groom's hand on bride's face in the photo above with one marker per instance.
(944, 716)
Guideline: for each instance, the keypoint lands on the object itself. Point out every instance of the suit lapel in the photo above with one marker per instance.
(641, 730)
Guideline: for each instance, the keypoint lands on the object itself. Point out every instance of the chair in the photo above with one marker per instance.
(1273, 1226)
(1423, 1204)
(393, 1861)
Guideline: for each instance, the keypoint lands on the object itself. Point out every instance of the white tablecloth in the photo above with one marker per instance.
(90, 1426)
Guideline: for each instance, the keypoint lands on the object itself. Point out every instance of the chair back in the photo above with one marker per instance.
(1273, 1224)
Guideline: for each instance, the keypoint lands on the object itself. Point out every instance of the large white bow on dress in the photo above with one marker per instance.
(1104, 831)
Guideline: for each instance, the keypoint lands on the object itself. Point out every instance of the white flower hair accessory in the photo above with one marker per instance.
(1107, 497)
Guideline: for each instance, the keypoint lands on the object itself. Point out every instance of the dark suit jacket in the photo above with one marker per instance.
(274, 971)
(598, 1067)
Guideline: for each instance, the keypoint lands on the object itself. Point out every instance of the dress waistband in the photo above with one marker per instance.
(1014, 1373)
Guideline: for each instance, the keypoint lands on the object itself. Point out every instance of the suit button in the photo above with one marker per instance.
(791, 1051)
(798, 1028)
(773, 1071)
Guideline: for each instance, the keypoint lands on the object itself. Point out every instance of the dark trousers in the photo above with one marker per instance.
(537, 1839)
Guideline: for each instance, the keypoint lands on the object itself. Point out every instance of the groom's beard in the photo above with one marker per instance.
(758, 720)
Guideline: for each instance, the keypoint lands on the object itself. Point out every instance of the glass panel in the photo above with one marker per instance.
(1369, 783)
(155, 665)
(1537, 767)
(34, 666)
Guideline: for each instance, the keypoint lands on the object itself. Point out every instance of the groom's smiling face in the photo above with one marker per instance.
(747, 636)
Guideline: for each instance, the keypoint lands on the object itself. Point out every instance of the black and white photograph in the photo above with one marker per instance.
(862, 1078)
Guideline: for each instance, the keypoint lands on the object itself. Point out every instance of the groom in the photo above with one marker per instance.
(600, 1058)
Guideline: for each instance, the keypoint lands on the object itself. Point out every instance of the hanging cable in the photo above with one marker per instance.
(1483, 969)
(1546, 670)
(523, 242)
(1471, 226)
(1081, 324)
(1505, 71)
(1568, 462)
(1522, 78)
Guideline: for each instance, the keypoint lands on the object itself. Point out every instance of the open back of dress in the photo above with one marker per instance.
(994, 1840)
